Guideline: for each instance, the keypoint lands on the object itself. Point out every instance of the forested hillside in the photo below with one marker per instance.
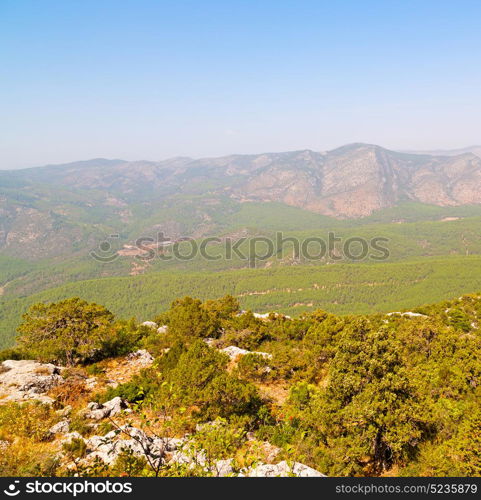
(337, 288)
(221, 392)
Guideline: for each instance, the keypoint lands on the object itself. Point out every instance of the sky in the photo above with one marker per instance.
(150, 80)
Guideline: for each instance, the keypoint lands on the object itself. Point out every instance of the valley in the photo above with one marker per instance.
(54, 218)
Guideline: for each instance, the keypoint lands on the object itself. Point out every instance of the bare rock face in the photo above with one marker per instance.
(26, 379)
(355, 180)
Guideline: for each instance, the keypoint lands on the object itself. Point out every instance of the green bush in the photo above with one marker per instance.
(228, 396)
(253, 367)
(70, 331)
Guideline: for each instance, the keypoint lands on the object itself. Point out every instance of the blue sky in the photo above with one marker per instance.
(152, 79)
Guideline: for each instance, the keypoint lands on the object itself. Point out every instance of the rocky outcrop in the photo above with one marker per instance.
(142, 358)
(234, 352)
(150, 324)
(98, 411)
(283, 469)
(26, 379)
(408, 314)
(154, 326)
(160, 450)
(62, 427)
(109, 447)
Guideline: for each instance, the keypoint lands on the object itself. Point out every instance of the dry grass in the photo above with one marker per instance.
(121, 370)
(277, 393)
(42, 370)
(71, 392)
(24, 457)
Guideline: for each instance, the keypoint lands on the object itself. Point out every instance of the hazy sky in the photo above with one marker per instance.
(149, 79)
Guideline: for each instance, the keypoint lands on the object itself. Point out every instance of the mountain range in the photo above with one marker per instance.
(55, 209)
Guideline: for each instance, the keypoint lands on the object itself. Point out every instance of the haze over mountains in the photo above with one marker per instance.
(69, 204)
(476, 150)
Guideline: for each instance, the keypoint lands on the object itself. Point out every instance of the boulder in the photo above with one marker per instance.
(234, 352)
(223, 468)
(197, 458)
(27, 379)
(261, 315)
(162, 329)
(91, 383)
(142, 357)
(62, 427)
(107, 448)
(111, 408)
(150, 324)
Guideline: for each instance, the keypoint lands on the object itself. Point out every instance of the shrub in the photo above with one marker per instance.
(14, 353)
(226, 396)
(253, 367)
(69, 331)
(79, 424)
(223, 308)
(141, 386)
(27, 459)
(124, 337)
(32, 420)
(188, 319)
(128, 464)
(75, 448)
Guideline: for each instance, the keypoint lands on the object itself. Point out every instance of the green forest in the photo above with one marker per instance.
(432, 255)
(337, 288)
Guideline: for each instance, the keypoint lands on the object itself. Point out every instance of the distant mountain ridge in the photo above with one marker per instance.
(350, 181)
(476, 150)
(70, 204)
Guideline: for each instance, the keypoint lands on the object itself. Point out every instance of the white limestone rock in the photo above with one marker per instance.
(111, 408)
(150, 324)
(27, 379)
(62, 427)
(142, 357)
(407, 314)
(234, 352)
(283, 469)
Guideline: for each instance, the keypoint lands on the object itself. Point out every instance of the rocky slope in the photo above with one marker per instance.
(29, 380)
